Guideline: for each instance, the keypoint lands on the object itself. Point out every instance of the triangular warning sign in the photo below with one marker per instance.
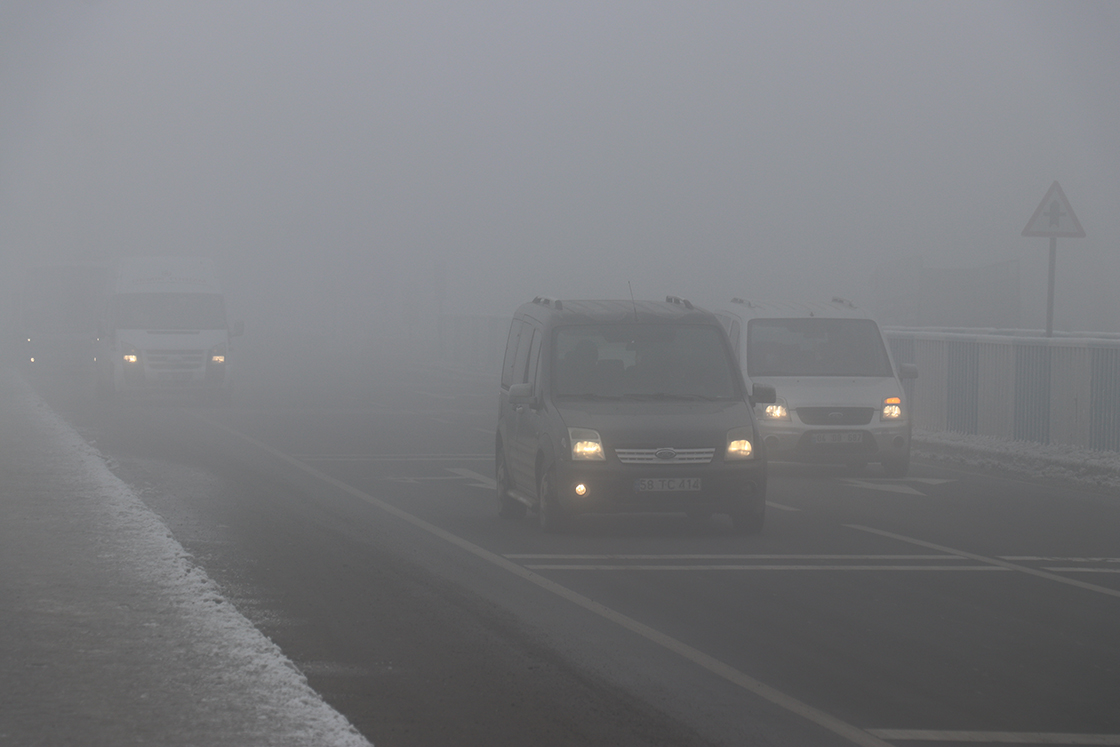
(1054, 217)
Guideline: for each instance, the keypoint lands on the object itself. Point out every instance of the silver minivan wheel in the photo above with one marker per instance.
(548, 509)
(508, 507)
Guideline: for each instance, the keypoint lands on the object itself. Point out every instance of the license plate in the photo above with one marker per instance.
(660, 484)
(854, 437)
(175, 376)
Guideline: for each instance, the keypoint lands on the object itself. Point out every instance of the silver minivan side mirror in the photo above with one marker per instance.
(521, 394)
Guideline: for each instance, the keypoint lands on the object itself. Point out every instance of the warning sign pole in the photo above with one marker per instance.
(1050, 287)
(1053, 218)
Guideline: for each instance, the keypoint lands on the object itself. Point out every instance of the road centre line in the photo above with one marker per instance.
(995, 737)
(705, 661)
(992, 561)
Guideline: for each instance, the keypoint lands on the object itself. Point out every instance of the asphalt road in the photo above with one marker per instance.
(359, 531)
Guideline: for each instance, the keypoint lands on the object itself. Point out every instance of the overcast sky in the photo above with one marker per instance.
(371, 155)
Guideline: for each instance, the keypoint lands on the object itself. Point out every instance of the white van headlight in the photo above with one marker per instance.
(218, 354)
(776, 411)
(586, 445)
(892, 408)
(739, 444)
(129, 352)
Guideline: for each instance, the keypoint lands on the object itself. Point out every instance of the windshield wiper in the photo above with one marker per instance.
(667, 395)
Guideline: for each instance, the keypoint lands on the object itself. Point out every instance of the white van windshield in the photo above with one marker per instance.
(643, 361)
(816, 346)
(170, 311)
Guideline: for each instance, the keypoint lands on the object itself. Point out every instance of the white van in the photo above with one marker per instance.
(165, 329)
(839, 395)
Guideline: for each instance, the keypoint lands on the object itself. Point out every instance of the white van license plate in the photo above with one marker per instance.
(853, 437)
(659, 484)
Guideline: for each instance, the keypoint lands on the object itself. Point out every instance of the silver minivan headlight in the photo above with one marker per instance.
(739, 444)
(586, 445)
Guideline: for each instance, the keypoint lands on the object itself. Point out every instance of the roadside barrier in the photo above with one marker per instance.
(1009, 384)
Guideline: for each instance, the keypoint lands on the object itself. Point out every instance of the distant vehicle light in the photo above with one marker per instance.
(131, 358)
(217, 359)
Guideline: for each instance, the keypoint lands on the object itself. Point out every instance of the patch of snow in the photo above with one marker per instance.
(1088, 468)
(224, 654)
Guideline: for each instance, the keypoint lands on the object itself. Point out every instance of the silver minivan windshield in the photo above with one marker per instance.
(816, 346)
(170, 311)
(643, 361)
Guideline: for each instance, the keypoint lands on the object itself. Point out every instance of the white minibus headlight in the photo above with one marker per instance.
(586, 445)
(776, 411)
(739, 444)
(129, 352)
(218, 354)
(892, 408)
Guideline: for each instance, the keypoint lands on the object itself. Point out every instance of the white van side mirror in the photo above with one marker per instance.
(764, 394)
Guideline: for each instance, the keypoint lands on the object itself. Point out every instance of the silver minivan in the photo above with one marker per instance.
(840, 397)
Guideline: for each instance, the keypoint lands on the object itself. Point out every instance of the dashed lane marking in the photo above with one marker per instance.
(888, 487)
(480, 481)
(781, 506)
(991, 561)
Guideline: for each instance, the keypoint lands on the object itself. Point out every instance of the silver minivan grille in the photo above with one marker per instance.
(175, 360)
(665, 455)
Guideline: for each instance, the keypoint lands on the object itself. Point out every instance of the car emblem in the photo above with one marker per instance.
(665, 454)
(835, 415)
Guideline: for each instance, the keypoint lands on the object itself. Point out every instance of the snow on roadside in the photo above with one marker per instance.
(230, 652)
(1088, 468)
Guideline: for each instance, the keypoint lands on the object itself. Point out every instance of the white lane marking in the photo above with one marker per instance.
(765, 567)
(888, 487)
(1082, 570)
(710, 663)
(480, 481)
(1044, 558)
(930, 480)
(992, 561)
(545, 556)
(781, 507)
(393, 457)
(993, 737)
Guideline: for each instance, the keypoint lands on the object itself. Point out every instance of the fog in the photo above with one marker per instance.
(354, 165)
